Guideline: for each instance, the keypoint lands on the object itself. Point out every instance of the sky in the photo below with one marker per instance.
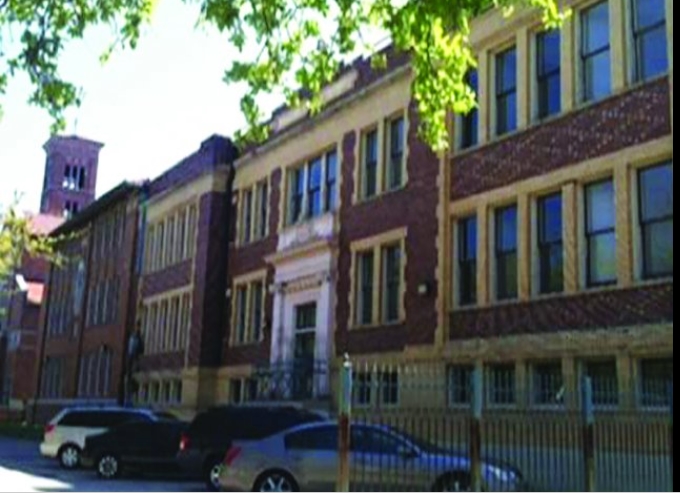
(150, 107)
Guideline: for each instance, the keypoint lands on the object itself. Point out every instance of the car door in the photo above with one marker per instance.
(313, 454)
(381, 461)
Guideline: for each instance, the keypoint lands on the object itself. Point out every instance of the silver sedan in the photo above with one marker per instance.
(305, 458)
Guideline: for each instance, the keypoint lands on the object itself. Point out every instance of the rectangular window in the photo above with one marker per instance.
(506, 91)
(370, 164)
(656, 220)
(175, 322)
(162, 326)
(331, 181)
(548, 384)
(247, 216)
(391, 291)
(501, 384)
(550, 248)
(256, 301)
(236, 391)
(506, 253)
(600, 234)
(262, 216)
(365, 291)
(595, 52)
(297, 195)
(469, 134)
(170, 250)
(548, 73)
(460, 384)
(186, 321)
(467, 261)
(181, 234)
(151, 329)
(649, 38)
(305, 316)
(656, 381)
(363, 389)
(314, 204)
(241, 313)
(67, 177)
(395, 153)
(160, 245)
(81, 179)
(389, 388)
(191, 230)
(604, 380)
(177, 392)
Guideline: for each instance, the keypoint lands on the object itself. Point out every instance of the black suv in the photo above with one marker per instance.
(203, 446)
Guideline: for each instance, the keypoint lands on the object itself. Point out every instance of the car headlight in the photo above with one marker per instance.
(500, 474)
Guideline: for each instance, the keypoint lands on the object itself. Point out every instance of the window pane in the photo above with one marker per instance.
(550, 243)
(262, 221)
(548, 44)
(506, 229)
(389, 388)
(550, 215)
(658, 248)
(656, 378)
(297, 195)
(506, 94)
(391, 278)
(362, 389)
(506, 276)
(370, 163)
(597, 76)
(656, 192)
(507, 71)
(365, 305)
(467, 256)
(305, 316)
(548, 384)
(460, 384)
(257, 310)
(595, 25)
(549, 96)
(649, 12)
(314, 187)
(247, 215)
(601, 214)
(552, 268)
(241, 309)
(502, 384)
(331, 180)
(469, 127)
(602, 258)
(652, 54)
(396, 155)
(605, 382)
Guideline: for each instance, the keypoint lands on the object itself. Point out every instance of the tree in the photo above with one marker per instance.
(17, 240)
(292, 47)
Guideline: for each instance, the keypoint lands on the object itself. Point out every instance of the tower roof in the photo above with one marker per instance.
(61, 141)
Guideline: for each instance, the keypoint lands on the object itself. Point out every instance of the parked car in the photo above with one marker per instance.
(136, 446)
(64, 436)
(209, 436)
(305, 458)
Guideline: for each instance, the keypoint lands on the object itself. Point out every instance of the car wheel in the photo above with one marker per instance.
(69, 457)
(275, 481)
(454, 482)
(108, 466)
(212, 474)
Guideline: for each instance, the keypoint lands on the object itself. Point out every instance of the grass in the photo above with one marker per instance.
(20, 431)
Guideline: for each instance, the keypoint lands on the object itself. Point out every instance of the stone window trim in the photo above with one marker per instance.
(376, 244)
(259, 213)
(631, 39)
(247, 282)
(466, 131)
(382, 130)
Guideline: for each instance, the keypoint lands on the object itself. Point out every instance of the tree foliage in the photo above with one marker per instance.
(291, 47)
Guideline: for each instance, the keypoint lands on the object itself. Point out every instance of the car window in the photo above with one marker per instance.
(73, 418)
(321, 438)
(365, 439)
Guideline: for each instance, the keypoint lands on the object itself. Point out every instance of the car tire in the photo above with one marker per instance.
(211, 472)
(108, 466)
(69, 456)
(455, 481)
(275, 481)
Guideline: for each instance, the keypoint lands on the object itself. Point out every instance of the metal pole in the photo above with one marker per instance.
(588, 433)
(670, 436)
(345, 407)
(476, 430)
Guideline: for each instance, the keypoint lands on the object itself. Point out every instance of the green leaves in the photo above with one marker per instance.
(289, 47)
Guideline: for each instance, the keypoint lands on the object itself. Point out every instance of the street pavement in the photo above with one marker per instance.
(22, 469)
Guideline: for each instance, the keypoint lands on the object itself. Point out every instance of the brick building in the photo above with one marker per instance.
(181, 302)
(87, 316)
(68, 186)
(558, 242)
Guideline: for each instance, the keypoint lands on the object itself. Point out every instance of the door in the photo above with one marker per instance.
(304, 351)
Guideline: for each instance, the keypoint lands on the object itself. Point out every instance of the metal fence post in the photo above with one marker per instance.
(476, 431)
(588, 433)
(345, 407)
(670, 436)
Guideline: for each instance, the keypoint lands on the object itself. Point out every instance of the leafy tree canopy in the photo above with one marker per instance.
(299, 44)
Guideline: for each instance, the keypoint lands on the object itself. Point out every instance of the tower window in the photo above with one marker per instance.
(81, 179)
(67, 177)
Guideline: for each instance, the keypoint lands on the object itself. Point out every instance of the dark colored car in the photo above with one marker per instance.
(203, 446)
(141, 446)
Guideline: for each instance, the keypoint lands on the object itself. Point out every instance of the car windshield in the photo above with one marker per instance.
(418, 442)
